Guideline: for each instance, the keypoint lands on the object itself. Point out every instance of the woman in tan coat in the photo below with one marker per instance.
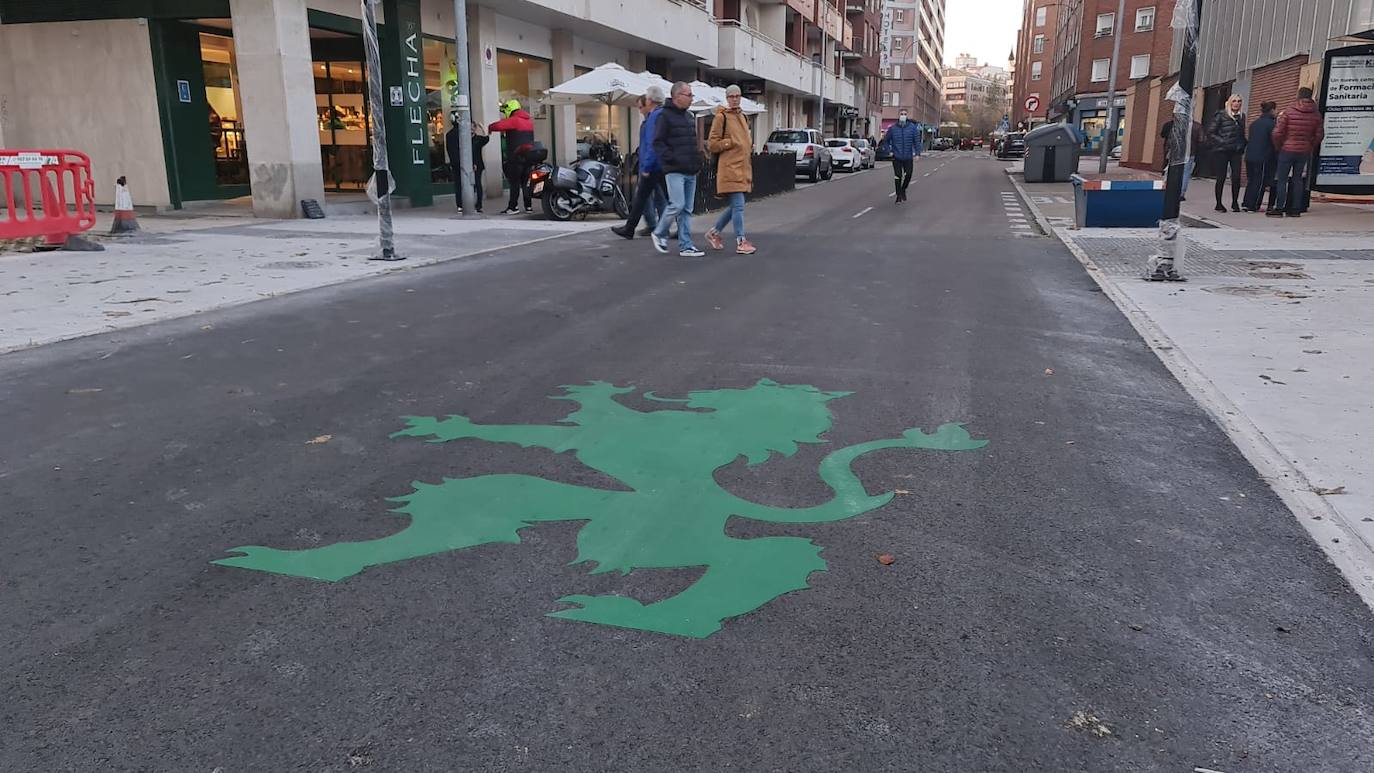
(731, 142)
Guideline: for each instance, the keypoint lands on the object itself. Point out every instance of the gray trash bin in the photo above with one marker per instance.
(1051, 154)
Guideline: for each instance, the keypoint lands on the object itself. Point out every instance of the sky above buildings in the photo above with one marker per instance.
(983, 28)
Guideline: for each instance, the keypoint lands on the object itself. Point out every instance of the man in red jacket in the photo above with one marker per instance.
(519, 131)
(1297, 135)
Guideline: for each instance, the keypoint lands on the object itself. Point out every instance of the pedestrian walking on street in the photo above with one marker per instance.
(1297, 134)
(733, 145)
(1261, 160)
(650, 193)
(479, 140)
(519, 131)
(1226, 133)
(904, 140)
(679, 154)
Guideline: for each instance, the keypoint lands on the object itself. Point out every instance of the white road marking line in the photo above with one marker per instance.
(865, 210)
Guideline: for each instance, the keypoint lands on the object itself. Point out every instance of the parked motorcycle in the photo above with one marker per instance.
(586, 187)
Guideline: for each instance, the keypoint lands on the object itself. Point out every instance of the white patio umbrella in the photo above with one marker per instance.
(705, 99)
(609, 84)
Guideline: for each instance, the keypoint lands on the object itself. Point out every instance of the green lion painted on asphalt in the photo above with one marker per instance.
(672, 516)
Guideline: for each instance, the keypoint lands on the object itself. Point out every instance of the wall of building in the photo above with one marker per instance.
(87, 86)
(1240, 35)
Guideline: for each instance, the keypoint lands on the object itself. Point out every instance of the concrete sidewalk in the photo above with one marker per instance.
(1271, 335)
(178, 266)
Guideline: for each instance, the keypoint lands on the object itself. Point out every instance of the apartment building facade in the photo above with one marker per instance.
(1084, 38)
(266, 100)
(1035, 57)
(914, 38)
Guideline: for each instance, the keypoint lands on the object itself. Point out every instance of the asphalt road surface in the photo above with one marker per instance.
(1107, 585)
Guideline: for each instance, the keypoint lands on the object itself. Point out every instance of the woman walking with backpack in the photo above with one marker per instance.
(733, 145)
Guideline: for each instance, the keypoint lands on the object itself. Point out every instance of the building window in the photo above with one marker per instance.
(896, 98)
(1145, 19)
(1038, 46)
(1040, 15)
(1106, 22)
(897, 71)
(887, 99)
(1101, 67)
(1140, 66)
(1035, 71)
(898, 15)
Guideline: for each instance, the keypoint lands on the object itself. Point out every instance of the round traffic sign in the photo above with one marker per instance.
(1032, 104)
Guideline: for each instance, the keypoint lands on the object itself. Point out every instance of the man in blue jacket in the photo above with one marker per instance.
(904, 139)
(650, 193)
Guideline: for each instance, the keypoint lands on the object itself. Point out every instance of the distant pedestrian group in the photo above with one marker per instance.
(670, 160)
(1277, 152)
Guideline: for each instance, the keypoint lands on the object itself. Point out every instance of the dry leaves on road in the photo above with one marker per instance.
(319, 440)
(1049, 371)
(887, 559)
(1082, 720)
(1326, 492)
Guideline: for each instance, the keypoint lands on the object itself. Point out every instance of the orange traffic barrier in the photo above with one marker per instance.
(45, 193)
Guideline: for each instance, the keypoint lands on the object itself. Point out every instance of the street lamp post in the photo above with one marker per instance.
(381, 174)
(1109, 131)
(462, 106)
(1172, 245)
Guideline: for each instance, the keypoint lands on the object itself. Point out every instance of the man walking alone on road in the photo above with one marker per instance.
(904, 140)
(734, 148)
(1297, 135)
(679, 154)
(649, 192)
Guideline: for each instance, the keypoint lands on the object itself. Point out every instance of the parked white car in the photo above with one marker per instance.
(844, 156)
(870, 152)
(813, 157)
(850, 155)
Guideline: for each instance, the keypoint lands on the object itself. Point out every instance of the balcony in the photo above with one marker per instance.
(684, 25)
(759, 56)
(861, 62)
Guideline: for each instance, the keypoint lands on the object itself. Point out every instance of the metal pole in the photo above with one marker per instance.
(1109, 131)
(1172, 245)
(462, 105)
(386, 238)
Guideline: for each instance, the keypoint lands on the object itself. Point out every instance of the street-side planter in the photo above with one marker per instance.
(1117, 200)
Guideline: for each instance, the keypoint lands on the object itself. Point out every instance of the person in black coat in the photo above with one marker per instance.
(452, 141)
(1226, 133)
(1261, 159)
(679, 155)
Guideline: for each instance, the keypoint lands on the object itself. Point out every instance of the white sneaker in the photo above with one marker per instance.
(692, 253)
(510, 211)
(660, 243)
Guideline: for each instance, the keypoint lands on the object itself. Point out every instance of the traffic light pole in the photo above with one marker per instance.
(1172, 244)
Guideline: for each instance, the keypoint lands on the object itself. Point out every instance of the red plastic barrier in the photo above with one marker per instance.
(35, 187)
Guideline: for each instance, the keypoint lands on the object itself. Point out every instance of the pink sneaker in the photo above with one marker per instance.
(713, 239)
(743, 247)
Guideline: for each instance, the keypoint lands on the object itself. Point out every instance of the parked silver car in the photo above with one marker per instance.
(813, 158)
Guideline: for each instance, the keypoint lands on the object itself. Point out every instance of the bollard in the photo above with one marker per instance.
(125, 219)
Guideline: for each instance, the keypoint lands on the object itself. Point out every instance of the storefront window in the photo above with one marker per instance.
(598, 124)
(226, 124)
(441, 83)
(341, 105)
(526, 78)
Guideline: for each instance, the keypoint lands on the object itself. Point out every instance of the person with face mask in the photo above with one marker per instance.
(904, 140)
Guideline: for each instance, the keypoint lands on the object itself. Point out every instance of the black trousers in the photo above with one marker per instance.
(1229, 159)
(518, 174)
(476, 186)
(1260, 176)
(901, 174)
(644, 190)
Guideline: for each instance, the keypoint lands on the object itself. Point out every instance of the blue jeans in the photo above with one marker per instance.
(682, 192)
(734, 213)
(654, 209)
(1290, 192)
